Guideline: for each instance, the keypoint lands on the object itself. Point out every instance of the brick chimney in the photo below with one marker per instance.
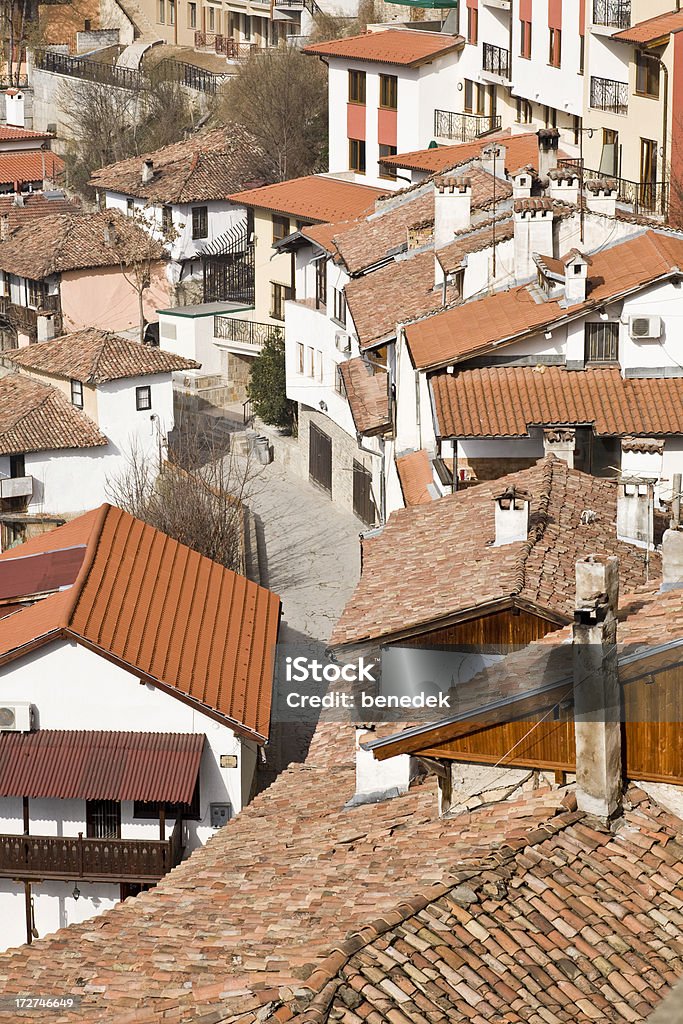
(452, 208)
(597, 695)
(548, 145)
(533, 233)
(635, 513)
(147, 173)
(511, 516)
(560, 442)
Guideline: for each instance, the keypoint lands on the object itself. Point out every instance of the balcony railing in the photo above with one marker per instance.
(650, 198)
(246, 332)
(463, 127)
(93, 860)
(606, 94)
(612, 13)
(496, 60)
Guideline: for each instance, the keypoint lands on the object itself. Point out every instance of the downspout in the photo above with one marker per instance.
(665, 125)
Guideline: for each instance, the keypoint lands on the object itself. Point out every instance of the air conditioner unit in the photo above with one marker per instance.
(342, 341)
(645, 327)
(16, 717)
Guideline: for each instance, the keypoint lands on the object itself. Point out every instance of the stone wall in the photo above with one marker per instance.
(112, 15)
(344, 452)
(96, 39)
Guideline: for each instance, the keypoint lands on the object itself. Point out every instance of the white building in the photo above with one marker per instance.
(127, 734)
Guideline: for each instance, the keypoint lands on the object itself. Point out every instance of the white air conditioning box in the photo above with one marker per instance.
(16, 717)
(342, 341)
(645, 328)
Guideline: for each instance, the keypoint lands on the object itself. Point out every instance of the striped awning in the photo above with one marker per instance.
(98, 765)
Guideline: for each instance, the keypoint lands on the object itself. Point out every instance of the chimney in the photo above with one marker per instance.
(4, 227)
(533, 233)
(597, 695)
(511, 516)
(147, 171)
(452, 208)
(672, 543)
(635, 512)
(522, 182)
(564, 185)
(560, 442)
(548, 145)
(575, 277)
(493, 158)
(379, 780)
(45, 328)
(14, 108)
(601, 197)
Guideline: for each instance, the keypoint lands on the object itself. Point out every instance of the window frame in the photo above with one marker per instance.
(358, 166)
(321, 284)
(388, 173)
(200, 221)
(192, 15)
(357, 83)
(388, 92)
(166, 219)
(281, 227)
(554, 47)
(609, 329)
(300, 358)
(339, 306)
(339, 385)
(77, 391)
(140, 397)
(144, 810)
(279, 294)
(469, 96)
(645, 62)
(90, 813)
(161, 12)
(472, 26)
(525, 39)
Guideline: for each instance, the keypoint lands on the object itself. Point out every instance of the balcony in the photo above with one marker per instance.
(496, 61)
(16, 487)
(25, 318)
(649, 198)
(612, 13)
(463, 127)
(246, 332)
(92, 860)
(609, 95)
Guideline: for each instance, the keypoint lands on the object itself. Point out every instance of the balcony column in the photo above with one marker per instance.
(162, 823)
(29, 913)
(26, 816)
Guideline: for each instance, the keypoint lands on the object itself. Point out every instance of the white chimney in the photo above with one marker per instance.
(522, 182)
(452, 208)
(575, 277)
(4, 227)
(564, 185)
(635, 512)
(147, 171)
(560, 442)
(45, 328)
(672, 560)
(597, 694)
(548, 145)
(14, 108)
(601, 197)
(379, 780)
(493, 158)
(533, 234)
(511, 516)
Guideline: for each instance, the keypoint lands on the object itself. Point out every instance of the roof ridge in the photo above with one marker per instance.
(86, 565)
(542, 518)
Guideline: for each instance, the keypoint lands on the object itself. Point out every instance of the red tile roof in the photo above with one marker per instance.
(504, 401)
(96, 357)
(479, 237)
(644, 33)
(415, 475)
(32, 165)
(36, 417)
(162, 611)
(390, 46)
(23, 575)
(11, 133)
(472, 327)
(34, 206)
(411, 577)
(314, 197)
(521, 151)
(368, 393)
(91, 765)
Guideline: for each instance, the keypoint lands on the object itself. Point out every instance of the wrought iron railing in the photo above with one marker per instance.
(247, 412)
(246, 332)
(496, 60)
(167, 70)
(645, 197)
(463, 127)
(189, 75)
(613, 13)
(606, 94)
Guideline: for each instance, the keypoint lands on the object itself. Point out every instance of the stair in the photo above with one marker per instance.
(144, 29)
(132, 56)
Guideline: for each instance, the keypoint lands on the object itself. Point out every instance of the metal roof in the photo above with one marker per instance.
(26, 575)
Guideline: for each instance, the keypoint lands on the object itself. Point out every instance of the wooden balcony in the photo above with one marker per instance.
(33, 858)
(25, 318)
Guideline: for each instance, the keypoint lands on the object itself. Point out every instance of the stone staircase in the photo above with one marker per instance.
(144, 29)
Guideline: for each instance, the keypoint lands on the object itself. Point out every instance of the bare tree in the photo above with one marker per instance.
(139, 244)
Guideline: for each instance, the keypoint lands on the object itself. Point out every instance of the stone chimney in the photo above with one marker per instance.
(147, 171)
(575, 277)
(601, 197)
(452, 208)
(597, 695)
(379, 780)
(493, 158)
(511, 516)
(533, 233)
(522, 182)
(561, 442)
(548, 145)
(635, 512)
(564, 184)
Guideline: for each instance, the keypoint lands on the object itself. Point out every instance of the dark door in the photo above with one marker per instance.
(320, 458)
(363, 505)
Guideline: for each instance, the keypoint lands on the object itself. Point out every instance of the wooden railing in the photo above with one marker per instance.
(93, 860)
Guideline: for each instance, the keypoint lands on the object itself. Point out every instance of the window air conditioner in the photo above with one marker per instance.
(342, 341)
(644, 327)
(16, 717)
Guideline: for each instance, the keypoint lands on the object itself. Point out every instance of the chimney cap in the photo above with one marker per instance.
(512, 497)
(452, 182)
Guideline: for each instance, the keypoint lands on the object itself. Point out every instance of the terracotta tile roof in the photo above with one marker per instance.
(208, 166)
(504, 401)
(411, 577)
(10, 133)
(390, 46)
(96, 765)
(521, 151)
(24, 575)
(647, 32)
(96, 357)
(473, 327)
(36, 417)
(368, 395)
(62, 242)
(34, 206)
(415, 475)
(32, 165)
(451, 256)
(164, 612)
(314, 197)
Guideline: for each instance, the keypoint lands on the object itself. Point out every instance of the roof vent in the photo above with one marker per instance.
(512, 516)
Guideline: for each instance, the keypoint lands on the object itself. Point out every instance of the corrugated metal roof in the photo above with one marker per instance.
(25, 575)
(95, 765)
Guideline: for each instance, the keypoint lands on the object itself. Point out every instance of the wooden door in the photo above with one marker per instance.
(363, 504)
(320, 458)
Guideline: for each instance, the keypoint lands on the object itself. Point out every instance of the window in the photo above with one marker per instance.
(524, 111)
(151, 808)
(339, 306)
(310, 362)
(143, 398)
(602, 343)
(339, 386)
(388, 92)
(319, 364)
(299, 358)
(469, 93)
(482, 93)
(550, 117)
(472, 25)
(77, 393)
(171, 12)
(357, 156)
(36, 294)
(647, 75)
(130, 207)
(166, 220)
(192, 15)
(555, 48)
(200, 221)
(321, 284)
(162, 11)
(17, 466)
(357, 87)
(582, 54)
(280, 228)
(384, 171)
(525, 47)
(212, 21)
(103, 819)
(279, 295)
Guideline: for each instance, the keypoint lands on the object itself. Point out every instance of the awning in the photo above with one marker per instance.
(89, 765)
